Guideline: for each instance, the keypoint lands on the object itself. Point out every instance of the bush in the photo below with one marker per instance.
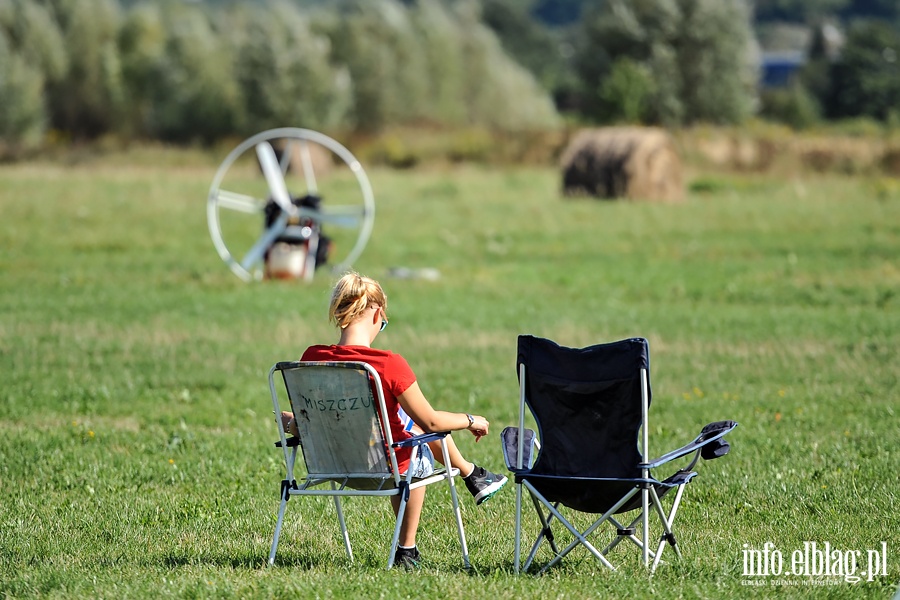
(394, 151)
(794, 106)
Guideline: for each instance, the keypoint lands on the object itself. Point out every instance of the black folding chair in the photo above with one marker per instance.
(589, 405)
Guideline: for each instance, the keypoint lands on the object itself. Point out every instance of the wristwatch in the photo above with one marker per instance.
(471, 420)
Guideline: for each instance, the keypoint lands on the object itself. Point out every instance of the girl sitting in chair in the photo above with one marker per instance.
(359, 308)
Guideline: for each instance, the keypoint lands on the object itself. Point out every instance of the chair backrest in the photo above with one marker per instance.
(587, 404)
(339, 419)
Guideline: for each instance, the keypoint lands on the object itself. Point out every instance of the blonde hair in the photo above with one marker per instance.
(353, 294)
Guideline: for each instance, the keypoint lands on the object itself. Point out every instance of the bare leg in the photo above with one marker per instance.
(411, 515)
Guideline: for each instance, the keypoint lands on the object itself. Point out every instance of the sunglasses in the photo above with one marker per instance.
(384, 321)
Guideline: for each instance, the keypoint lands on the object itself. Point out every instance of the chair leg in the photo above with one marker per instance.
(548, 532)
(449, 474)
(278, 524)
(631, 538)
(459, 524)
(518, 540)
(344, 533)
(667, 522)
(619, 537)
(395, 541)
(545, 533)
(645, 525)
(580, 538)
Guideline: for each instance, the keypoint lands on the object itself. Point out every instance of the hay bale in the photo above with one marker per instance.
(623, 162)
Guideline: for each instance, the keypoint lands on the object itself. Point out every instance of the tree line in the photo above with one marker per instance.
(198, 71)
(181, 72)
(683, 61)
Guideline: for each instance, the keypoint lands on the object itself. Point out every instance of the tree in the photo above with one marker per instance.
(284, 69)
(441, 42)
(22, 117)
(700, 54)
(430, 62)
(525, 39)
(32, 57)
(559, 12)
(88, 98)
(178, 70)
(498, 92)
(142, 46)
(35, 36)
(865, 79)
(625, 91)
(377, 42)
(797, 11)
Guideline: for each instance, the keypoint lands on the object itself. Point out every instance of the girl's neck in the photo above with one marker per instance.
(352, 336)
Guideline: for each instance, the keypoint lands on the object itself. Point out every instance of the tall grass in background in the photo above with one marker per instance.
(136, 433)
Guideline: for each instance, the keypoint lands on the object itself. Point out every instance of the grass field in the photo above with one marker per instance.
(136, 455)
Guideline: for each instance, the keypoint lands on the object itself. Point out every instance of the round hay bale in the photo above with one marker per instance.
(623, 162)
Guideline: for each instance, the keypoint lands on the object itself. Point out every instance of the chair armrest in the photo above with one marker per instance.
(422, 438)
(292, 442)
(509, 440)
(709, 443)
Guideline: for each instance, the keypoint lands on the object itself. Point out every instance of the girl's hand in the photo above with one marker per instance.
(479, 427)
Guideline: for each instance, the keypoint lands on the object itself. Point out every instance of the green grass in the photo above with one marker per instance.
(136, 433)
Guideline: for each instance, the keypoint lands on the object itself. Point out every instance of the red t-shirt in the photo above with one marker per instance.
(396, 377)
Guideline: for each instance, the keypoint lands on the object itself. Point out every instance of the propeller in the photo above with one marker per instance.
(256, 253)
(350, 218)
(274, 177)
(308, 172)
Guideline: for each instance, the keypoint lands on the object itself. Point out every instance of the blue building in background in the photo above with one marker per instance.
(779, 68)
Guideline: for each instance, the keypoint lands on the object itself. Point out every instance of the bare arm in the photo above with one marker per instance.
(417, 406)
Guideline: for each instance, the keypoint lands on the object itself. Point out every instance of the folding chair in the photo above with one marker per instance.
(589, 405)
(346, 444)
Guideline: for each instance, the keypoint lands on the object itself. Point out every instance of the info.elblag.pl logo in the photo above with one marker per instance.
(817, 562)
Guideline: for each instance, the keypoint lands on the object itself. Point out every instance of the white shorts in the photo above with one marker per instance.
(423, 465)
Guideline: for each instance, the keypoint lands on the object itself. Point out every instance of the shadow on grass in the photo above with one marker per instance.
(310, 562)
(249, 561)
(303, 561)
(235, 562)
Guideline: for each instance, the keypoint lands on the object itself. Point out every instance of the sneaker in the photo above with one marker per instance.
(483, 484)
(407, 558)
